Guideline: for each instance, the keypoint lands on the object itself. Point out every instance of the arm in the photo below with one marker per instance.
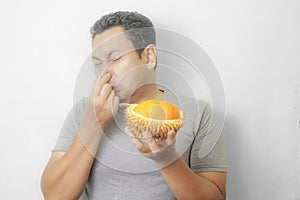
(184, 183)
(66, 173)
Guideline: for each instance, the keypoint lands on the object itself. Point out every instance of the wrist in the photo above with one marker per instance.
(92, 125)
(90, 134)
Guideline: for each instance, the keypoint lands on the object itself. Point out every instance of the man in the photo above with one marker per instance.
(85, 159)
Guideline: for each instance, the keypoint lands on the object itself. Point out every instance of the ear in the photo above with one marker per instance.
(149, 55)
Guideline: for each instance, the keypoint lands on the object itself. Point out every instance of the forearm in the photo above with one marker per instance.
(185, 184)
(66, 177)
(66, 174)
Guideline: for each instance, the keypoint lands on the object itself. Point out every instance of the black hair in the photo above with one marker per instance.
(138, 28)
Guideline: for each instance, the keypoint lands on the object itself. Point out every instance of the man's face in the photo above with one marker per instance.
(113, 53)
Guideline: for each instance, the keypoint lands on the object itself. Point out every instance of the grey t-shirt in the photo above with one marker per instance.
(119, 171)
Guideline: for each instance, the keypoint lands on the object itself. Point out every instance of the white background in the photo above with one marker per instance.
(255, 46)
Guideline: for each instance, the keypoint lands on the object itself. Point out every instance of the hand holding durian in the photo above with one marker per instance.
(157, 122)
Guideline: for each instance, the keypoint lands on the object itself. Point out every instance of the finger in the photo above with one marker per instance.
(110, 97)
(105, 92)
(124, 105)
(100, 83)
(110, 100)
(170, 137)
(141, 146)
(113, 100)
(161, 142)
(116, 103)
(151, 142)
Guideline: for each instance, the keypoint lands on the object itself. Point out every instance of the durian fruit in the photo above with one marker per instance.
(156, 117)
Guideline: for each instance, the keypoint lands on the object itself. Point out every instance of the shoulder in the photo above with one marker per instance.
(194, 107)
(191, 102)
(79, 106)
(81, 103)
(78, 110)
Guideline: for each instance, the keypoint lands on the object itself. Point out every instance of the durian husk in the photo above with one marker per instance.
(139, 124)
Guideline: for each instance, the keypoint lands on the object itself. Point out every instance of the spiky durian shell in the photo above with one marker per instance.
(138, 124)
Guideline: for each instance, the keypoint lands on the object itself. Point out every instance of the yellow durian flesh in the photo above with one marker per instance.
(153, 118)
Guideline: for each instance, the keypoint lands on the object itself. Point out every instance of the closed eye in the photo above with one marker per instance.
(97, 61)
(116, 58)
(114, 55)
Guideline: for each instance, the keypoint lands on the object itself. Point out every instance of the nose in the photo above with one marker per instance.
(112, 81)
(109, 70)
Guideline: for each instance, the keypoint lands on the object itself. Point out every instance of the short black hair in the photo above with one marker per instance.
(138, 28)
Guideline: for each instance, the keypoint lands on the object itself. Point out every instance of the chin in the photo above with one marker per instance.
(123, 94)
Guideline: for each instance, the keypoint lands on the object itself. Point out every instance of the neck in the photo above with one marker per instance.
(146, 92)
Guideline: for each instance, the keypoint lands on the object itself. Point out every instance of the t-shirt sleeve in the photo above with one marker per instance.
(70, 126)
(215, 160)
